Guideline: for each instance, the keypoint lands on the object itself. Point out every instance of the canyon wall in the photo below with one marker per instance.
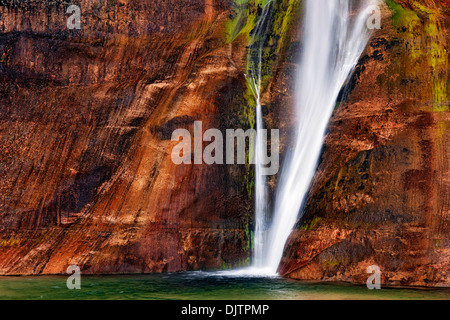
(86, 118)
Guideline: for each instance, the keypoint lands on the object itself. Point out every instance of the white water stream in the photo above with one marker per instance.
(335, 34)
(254, 77)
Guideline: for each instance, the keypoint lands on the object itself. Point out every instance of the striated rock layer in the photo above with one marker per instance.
(86, 118)
(381, 195)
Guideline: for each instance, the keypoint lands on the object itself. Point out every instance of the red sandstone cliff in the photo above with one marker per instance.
(86, 119)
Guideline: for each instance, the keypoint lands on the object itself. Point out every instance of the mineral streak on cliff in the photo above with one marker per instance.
(86, 118)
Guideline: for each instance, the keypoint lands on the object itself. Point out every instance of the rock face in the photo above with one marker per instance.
(381, 195)
(86, 118)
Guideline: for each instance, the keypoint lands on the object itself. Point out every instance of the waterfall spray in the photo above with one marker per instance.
(335, 35)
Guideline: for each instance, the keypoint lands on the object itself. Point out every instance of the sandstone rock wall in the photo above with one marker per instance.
(86, 118)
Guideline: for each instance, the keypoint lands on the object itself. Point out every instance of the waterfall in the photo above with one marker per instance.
(254, 78)
(334, 36)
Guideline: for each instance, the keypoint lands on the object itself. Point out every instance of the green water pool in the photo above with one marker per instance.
(199, 286)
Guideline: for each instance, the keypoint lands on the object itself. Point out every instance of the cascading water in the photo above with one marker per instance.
(335, 35)
(254, 78)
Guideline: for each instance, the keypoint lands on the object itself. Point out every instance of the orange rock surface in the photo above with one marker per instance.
(86, 118)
